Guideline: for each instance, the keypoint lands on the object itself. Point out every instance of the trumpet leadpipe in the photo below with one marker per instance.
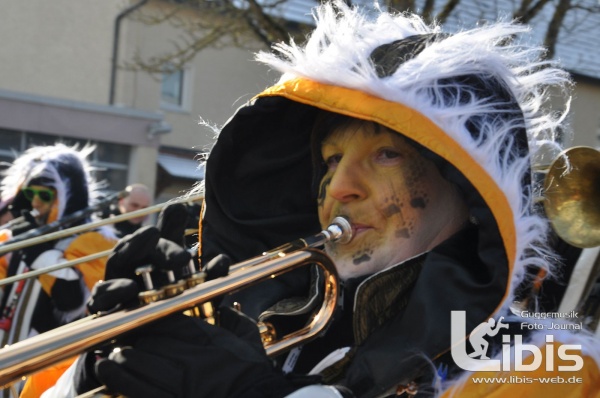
(339, 230)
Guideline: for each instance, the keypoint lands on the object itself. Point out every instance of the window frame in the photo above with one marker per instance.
(185, 80)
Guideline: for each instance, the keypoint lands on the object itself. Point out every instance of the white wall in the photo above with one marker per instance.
(58, 48)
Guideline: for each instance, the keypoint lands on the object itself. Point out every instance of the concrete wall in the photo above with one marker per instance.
(58, 48)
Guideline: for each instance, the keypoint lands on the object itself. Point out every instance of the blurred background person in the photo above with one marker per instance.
(56, 182)
(138, 198)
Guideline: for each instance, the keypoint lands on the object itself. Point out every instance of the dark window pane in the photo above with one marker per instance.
(115, 179)
(112, 153)
(10, 140)
(37, 139)
(172, 87)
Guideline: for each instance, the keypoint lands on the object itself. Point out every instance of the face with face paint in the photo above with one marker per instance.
(397, 202)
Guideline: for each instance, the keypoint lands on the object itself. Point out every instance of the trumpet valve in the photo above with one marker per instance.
(150, 295)
(144, 272)
(195, 279)
(174, 288)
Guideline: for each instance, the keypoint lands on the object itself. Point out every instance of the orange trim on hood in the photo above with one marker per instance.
(415, 126)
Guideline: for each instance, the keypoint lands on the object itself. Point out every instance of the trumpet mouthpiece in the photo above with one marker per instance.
(341, 230)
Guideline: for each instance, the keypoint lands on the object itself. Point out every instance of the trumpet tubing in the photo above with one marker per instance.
(38, 352)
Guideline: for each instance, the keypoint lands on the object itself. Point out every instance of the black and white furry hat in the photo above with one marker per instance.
(66, 169)
(476, 98)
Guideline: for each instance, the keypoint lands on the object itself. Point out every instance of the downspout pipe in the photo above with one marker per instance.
(115, 52)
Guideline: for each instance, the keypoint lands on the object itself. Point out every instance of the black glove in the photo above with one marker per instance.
(187, 357)
(113, 295)
(119, 293)
(172, 222)
(146, 247)
(29, 223)
(30, 253)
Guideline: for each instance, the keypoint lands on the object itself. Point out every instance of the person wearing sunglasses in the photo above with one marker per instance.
(49, 183)
(42, 199)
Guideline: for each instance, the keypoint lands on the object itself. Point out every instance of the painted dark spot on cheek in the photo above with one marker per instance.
(361, 259)
(391, 210)
(323, 190)
(418, 203)
(402, 233)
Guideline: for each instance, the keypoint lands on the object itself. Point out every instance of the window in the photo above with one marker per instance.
(109, 160)
(173, 88)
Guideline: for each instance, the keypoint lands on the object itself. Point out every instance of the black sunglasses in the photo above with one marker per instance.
(46, 195)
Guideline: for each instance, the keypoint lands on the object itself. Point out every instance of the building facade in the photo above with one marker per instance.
(63, 78)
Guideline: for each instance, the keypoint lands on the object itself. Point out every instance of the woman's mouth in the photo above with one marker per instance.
(358, 228)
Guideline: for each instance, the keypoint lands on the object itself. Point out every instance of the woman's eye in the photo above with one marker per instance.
(387, 155)
(332, 161)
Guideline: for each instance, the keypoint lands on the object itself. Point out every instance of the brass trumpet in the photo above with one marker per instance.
(38, 352)
(572, 196)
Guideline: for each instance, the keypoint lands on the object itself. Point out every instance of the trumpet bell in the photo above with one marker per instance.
(572, 196)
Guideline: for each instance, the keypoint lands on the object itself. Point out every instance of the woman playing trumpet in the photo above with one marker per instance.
(421, 139)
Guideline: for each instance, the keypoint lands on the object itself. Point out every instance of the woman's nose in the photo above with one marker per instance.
(347, 183)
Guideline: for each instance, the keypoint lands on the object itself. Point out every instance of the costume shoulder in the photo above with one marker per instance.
(42, 381)
(84, 245)
(5, 235)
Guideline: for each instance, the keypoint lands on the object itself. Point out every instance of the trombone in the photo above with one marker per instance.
(36, 353)
(15, 244)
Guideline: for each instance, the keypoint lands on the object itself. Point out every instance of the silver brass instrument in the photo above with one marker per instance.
(14, 223)
(17, 245)
(38, 352)
(47, 229)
